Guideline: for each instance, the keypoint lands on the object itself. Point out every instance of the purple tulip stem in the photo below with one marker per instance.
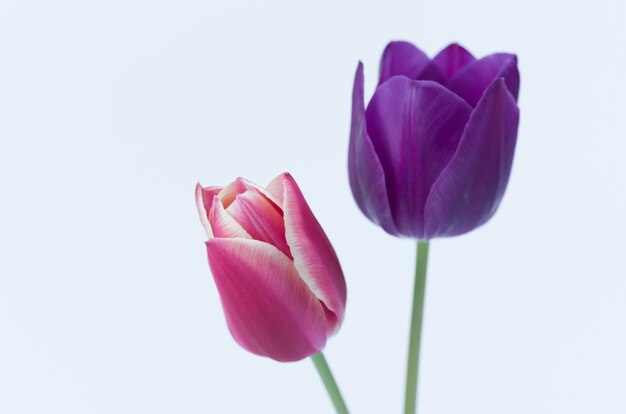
(329, 381)
(417, 315)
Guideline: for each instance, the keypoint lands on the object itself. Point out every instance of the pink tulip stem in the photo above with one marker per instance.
(329, 382)
(416, 328)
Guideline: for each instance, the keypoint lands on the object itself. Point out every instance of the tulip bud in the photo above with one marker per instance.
(432, 153)
(279, 279)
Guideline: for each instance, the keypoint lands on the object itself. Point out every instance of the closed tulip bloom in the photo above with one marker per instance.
(431, 154)
(278, 277)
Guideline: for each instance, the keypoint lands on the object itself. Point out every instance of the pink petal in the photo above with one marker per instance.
(314, 256)
(269, 309)
(228, 193)
(223, 224)
(204, 199)
(275, 187)
(271, 196)
(260, 218)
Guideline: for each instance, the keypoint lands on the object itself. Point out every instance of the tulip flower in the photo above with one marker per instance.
(431, 154)
(278, 277)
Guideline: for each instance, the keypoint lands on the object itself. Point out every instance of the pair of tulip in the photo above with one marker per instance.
(429, 157)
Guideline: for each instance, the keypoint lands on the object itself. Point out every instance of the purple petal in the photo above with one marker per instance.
(367, 178)
(313, 255)
(402, 58)
(447, 63)
(415, 127)
(471, 81)
(269, 309)
(470, 188)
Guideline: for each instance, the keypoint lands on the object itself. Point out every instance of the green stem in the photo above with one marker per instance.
(416, 328)
(329, 382)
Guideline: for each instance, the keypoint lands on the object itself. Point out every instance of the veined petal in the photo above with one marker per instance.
(313, 255)
(402, 58)
(447, 63)
(415, 127)
(367, 178)
(204, 199)
(471, 81)
(260, 218)
(269, 309)
(223, 224)
(470, 188)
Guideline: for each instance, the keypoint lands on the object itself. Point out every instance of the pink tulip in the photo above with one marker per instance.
(279, 279)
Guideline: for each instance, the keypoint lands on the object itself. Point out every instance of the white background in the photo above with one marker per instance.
(110, 111)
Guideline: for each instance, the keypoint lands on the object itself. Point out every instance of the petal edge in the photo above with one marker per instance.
(313, 255)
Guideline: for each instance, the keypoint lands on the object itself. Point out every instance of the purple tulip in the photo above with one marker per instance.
(431, 155)
(279, 279)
